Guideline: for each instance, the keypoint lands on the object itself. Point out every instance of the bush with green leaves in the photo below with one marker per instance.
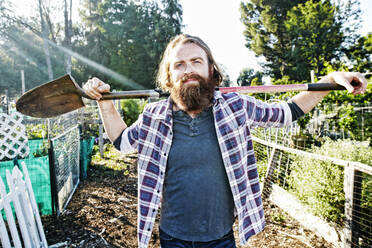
(320, 184)
(132, 108)
(36, 131)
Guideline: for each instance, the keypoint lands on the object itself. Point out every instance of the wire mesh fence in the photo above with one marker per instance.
(59, 154)
(332, 122)
(64, 161)
(337, 191)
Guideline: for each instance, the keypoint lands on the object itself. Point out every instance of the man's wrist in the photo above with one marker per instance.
(106, 105)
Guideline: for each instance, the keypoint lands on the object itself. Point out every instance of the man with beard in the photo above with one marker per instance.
(195, 151)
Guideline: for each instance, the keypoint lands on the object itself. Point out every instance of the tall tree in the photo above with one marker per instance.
(21, 47)
(360, 54)
(247, 75)
(129, 37)
(44, 32)
(68, 35)
(294, 36)
(226, 81)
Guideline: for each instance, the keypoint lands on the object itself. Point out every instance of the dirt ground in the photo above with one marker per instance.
(103, 213)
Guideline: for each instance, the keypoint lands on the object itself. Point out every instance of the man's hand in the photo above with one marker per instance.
(354, 82)
(94, 88)
(114, 124)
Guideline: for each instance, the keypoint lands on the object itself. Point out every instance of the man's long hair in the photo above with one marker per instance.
(163, 78)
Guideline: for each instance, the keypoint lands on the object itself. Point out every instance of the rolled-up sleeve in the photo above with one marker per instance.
(263, 114)
(127, 142)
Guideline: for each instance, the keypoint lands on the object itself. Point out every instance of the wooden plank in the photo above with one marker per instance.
(19, 211)
(291, 205)
(26, 207)
(358, 166)
(5, 242)
(9, 215)
(348, 189)
(356, 208)
(34, 206)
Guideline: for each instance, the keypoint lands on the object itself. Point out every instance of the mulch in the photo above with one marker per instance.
(103, 213)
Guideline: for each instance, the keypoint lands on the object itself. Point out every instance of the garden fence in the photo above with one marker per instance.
(21, 196)
(57, 157)
(338, 193)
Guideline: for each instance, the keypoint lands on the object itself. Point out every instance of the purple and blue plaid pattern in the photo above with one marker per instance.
(234, 115)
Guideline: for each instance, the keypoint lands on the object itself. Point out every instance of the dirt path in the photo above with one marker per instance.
(103, 213)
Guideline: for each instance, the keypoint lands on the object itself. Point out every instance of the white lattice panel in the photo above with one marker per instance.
(13, 138)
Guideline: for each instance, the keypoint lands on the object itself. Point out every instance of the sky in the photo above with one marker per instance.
(218, 23)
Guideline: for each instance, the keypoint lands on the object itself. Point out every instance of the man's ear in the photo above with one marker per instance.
(211, 70)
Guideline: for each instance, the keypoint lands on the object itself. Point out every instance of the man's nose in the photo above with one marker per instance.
(188, 68)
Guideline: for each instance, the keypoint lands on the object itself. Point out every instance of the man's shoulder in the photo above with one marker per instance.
(154, 107)
(234, 96)
(230, 95)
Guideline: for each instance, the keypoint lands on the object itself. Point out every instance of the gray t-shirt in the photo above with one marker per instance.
(197, 200)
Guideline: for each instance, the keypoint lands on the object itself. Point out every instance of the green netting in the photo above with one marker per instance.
(86, 148)
(36, 147)
(38, 169)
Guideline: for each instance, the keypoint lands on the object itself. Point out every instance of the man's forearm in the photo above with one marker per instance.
(307, 100)
(112, 121)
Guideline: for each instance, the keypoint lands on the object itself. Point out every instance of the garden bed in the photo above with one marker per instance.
(103, 213)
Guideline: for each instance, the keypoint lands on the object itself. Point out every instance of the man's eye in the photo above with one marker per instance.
(178, 65)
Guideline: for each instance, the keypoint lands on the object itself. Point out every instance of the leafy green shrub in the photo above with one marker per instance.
(37, 131)
(319, 184)
(89, 130)
(261, 169)
(112, 163)
(132, 108)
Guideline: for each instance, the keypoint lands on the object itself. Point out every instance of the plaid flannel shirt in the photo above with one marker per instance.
(234, 115)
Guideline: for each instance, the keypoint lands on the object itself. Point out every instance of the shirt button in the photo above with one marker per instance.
(161, 173)
(165, 154)
(149, 229)
(153, 210)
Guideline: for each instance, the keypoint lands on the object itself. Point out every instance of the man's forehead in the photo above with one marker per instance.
(187, 51)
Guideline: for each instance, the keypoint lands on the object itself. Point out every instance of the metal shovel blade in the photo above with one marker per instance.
(57, 97)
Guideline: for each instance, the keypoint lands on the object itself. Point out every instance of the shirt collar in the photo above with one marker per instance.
(164, 110)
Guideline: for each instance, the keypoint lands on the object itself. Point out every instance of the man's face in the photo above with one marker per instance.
(190, 75)
(188, 59)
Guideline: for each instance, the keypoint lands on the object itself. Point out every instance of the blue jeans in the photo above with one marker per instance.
(167, 241)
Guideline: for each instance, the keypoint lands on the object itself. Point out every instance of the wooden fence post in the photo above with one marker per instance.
(353, 191)
(100, 139)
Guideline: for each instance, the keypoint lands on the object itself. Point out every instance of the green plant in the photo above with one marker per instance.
(319, 184)
(277, 217)
(261, 168)
(132, 108)
(112, 162)
(37, 131)
(347, 119)
(89, 130)
(42, 150)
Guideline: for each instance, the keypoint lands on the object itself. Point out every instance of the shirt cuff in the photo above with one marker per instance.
(295, 110)
(117, 142)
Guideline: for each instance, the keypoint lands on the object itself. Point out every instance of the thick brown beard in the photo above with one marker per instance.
(195, 96)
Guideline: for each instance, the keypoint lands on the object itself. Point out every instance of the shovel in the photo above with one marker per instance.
(63, 95)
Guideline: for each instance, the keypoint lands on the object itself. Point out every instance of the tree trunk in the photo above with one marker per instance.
(45, 42)
(68, 33)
